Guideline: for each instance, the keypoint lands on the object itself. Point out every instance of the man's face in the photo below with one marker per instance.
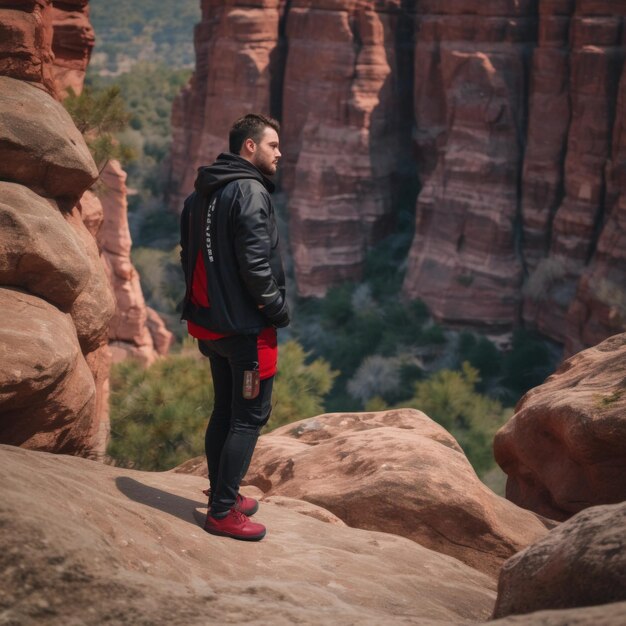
(266, 154)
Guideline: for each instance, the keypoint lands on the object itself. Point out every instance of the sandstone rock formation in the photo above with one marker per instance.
(613, 614)
(235, 64)
(134, 330)
(127, 547)
(56, 298)
(572, 214)
(346, 150)
(565, 447)
(516, 129)
(398, 472)
(26, 34)
(469, 111)
(41, 147)
(580, 563)
(72, 42)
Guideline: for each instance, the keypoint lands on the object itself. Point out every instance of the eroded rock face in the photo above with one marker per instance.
(573, 214)
(580, 563)
(99, 554)
(346, 149)
(565, 447)
(72, 43)
(513, 132)
(134, 330)
(236, 57)
(26, 34)
(41, 147)
(469, 111)
(48, 394)
(56, 300)
(398, 472)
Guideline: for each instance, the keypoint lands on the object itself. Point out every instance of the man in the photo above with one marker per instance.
(234, 302)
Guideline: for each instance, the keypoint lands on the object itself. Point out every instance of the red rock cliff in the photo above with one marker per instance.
(56, 298)
(516, 129)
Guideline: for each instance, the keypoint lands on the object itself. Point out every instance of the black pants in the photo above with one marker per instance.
(235, 422)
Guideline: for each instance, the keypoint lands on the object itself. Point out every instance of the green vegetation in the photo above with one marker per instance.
(159, 414)
(147, 91)
(450, 398)
(150, 30)
(98, 115)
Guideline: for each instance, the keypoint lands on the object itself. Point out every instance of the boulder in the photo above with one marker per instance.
(397, 472)
(604, 615)
(580, 563)
(47, 391)
(94, 307)
(40, 147)
(127, 547)
(39, 251)
(565, 447)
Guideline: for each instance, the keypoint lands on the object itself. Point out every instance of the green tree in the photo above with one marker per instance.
(159, 414)
(300, 387)
(450, 398)
(98, 115)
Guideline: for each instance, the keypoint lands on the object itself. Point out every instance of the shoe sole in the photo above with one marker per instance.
(220, 533)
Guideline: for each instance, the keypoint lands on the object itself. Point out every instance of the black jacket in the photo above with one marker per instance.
(230, 219)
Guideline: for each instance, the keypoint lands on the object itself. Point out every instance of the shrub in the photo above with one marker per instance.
(98, 114)
(159, 414)
(548, 272)
(450, 398)
(376, 376)
(300, 387)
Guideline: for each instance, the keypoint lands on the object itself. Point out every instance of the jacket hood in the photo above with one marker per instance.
(228, 167)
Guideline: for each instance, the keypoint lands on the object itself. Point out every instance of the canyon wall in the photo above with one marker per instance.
(508, 115)
(56, 294)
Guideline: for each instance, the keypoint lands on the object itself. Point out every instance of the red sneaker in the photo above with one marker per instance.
(248, 506)
(235, 525)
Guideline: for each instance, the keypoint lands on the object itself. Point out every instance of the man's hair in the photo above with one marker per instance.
(249, 126)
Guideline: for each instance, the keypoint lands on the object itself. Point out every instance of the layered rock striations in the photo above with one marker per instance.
(72, 42)
(565, 448)
(26, 34)
(515, 127)
(470, 110)
(346, 150)
(236, 60)
(570, 214)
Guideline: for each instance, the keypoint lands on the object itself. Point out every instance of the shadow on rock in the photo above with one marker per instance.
(183, 508)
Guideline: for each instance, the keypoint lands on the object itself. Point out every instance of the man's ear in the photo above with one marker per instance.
(250, 145)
